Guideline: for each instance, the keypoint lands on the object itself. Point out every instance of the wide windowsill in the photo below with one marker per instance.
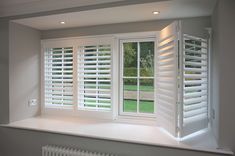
(118, 131)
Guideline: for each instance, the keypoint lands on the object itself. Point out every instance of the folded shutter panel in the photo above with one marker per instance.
(166, 80)
(94, 77)
(195, 79)
(58, 76)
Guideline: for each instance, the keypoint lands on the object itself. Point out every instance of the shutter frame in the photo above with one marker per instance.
(167, 78)
(194, 99)
(93, 71)
(58, 82)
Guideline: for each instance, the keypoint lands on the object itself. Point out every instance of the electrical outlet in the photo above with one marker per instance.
(33, 102)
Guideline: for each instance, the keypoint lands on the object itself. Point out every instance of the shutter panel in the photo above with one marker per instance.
(94, 77)
(58, 76)
(195, 79)
(167, 71)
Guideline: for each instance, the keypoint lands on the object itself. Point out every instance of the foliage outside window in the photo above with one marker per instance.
(138, 77)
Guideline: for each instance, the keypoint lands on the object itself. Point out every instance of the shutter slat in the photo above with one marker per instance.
(197, 88)
(92, 62)
(195, 100)
(195, 118)
(61, 80)
(195, 57)
(94, 57)
(166, 49)
(94, 71)
(59, 92)
(102, 90)
(195, 94)
(95, 76)
(195, 112)
(58, 89)
(82, 80)
(195, 106)
(57, 63)
(59, 97)
(202, 64)
(195, 51)
(195, 70)
(61, 59)
(95, 66)
(95, 104)
(92, 94)
(58, 76)
(195, 76)
(186, 36)
(195, 82)
(98, 99)
(194, 45)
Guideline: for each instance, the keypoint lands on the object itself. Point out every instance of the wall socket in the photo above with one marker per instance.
(33, 102)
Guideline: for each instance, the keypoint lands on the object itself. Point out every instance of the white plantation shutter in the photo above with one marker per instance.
(58, 76)
(167, 72)
(195, 79)
(94, 77)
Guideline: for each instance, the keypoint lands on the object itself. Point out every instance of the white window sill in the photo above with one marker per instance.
(117, 131)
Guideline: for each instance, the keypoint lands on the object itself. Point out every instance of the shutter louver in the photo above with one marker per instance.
(58, 77)
(195, 78)
(167, 72)
(94, 77)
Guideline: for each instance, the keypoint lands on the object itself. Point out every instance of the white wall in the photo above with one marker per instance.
(24, 71)
(215, 74)
(4, 71)
(193, 26)
(16, 142)
(224, 76)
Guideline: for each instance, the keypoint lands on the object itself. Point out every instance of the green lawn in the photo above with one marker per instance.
(145, 106)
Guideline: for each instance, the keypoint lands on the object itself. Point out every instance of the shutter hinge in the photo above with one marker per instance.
(209, 32)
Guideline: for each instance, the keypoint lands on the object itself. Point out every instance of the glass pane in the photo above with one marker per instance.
(146, 59)
(130, 59)
(146, 104)
(130, 95)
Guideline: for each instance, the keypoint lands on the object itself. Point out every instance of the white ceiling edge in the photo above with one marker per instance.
(21, 7)
(173, 9)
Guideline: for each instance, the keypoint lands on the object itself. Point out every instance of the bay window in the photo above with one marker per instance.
(162, 76)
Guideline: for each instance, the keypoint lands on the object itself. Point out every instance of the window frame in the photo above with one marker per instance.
(121, 77)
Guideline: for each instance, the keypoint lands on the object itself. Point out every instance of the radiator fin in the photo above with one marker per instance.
(52, 150)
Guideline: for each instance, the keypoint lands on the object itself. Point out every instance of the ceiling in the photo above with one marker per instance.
(130, 13)
(22, 7)
(6, 3)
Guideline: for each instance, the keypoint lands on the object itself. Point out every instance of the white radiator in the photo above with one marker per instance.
(51, 150)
